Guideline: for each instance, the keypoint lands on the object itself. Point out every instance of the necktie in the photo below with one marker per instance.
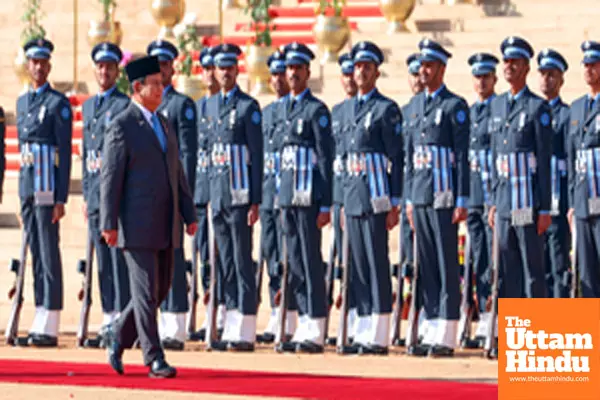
(158, 131)
(479, 108)
(99, 101)
(292, 104)
(511, 103)
(32, 96)
(592, 103)
(427, 100)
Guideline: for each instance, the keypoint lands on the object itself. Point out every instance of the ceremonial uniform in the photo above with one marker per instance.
(235, 184)
(584, 192)
(480, 164)
(98, 112)
(306, 151)
(202, 197)
(44, 123)
(557, 237)
(270, 217)
(372, 186)
(145, 197)
(437, 182)
(180, 112)
(521, 130)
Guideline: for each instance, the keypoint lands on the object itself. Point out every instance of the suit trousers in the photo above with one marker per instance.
(556, 255)
(371, 282)
(307, 275)
(437, 241)
(150, 274)
(43, 237)
(523, 272)
(113, 277)
(234, 241)
(177, 299)
(588, 256)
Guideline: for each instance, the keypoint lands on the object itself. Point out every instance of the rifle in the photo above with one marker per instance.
(399, 303)
(329, 277)
(193, 295)
(574, 270)
(211, 326)
(12, 328)
(280, 336)
(85, 294)
(491, 333)
(342, 339)
(412, 333)
(466, 301)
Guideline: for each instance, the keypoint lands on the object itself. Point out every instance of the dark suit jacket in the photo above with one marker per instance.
(144, 193)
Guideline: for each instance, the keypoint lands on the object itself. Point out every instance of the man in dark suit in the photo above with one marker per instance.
(180, 111)
(144, 198)
(98, 112)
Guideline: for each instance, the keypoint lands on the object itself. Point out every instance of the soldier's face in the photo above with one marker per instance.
(551, 80)
(227, 77)
(279, 84)
(210, 78)
(591, 73)
(516, 70)
(39, 69)
(431, 73)
(297, 77)
(150, 92)
(349, 84)
(365, 75)
(484, 84)
(106, 74)
(415, 84)
(166, 72)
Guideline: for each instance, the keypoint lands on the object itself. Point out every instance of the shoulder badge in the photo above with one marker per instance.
(65, 113)
(189, 113)
(545, 119)
(256, 117)
(323, 121)
(398, 128)
(461, 116)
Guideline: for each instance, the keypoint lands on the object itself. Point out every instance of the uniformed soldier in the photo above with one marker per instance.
(180, 111)
(44, 123)
(304, 196)
(2, 149)
(270, 217)
(372, 190)
(98, 112)
(521, 130)
(584, 156)
(438, 189)
(235, 193)
(552, 67)
(202, 190)
(340, 129)
(483, 69)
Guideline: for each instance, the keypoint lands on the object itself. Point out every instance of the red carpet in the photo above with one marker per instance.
(241, 382)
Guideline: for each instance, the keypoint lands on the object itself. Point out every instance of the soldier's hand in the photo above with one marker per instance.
(492, 216)
(543, 223)
(323, 219)
(84, 211)
(110, 237)
(459, 215)
(409, 216)
(58, 212)
(570, 215)
(191, 229)
(393, 216)
(253, 214)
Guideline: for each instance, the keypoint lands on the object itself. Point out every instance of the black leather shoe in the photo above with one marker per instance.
(94, 343)
(419, 350)
(41, 340)
(469, 343)
(492, 354)
(309, 347)
(22, 341)
(354, 348)
(440, 351)
(240, 346)
(114, 351)
(399, 342)
(331, 341)
(219, 345)
(373, 349)
(286, 347)
(160, 369)
(172, 344)
(197, 336)
(266, 337)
